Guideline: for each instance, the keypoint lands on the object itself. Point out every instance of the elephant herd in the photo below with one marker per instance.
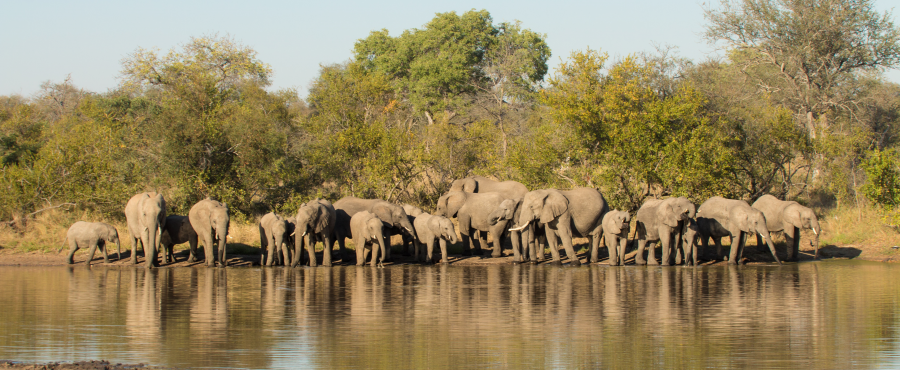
(487, 212)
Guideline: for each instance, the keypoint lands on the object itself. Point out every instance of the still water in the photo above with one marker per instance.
(834, 314)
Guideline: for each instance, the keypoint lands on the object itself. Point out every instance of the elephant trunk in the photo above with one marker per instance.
(764, 233)
(223, 236)
(526, 217)
(404, 223)
(451, 237)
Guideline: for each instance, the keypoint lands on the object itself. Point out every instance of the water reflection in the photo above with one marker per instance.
(829, 315)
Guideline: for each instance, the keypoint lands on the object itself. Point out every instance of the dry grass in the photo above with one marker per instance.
(47, 231)
(863, 228)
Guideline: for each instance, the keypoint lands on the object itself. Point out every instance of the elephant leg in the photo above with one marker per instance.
(209, 250)
(539, 244)
(73, 246)
(733, 254)
(105, 255)
(639, 257)
(286, 251)
(443, 245)
(793, 242)
(718, 241)
(515, 238)
(481, 242)
(610, 242)
(466, 242)
(326, 253)
(759, 243)
(651, 251)
(496, 234)
(552, 243)
(192, 257)
(386, 255)
(566, 236)
(360, 252)
(429, 252)
(623, 244)
(310, 249)
(666, 242)
(134, 243)
(679, 247)
(375, 257)
(91, 253)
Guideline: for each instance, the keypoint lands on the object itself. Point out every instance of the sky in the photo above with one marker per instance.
(87, 40)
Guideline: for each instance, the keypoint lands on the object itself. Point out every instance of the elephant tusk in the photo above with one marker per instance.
(814, 232)
(304, 233)
(293, 233)
(519, 228)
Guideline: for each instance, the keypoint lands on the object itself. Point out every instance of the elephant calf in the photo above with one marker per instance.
(367, 231)
(429, 228)
(274, 239)
(91, 234)
(178, 230)
(616, 225)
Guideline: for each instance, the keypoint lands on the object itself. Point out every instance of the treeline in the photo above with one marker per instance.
(798, 109)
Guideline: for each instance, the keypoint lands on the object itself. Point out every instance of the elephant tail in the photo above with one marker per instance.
(63, 246)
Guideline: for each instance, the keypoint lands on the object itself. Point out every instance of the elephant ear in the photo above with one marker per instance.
(555, 204)
(321, 219)
(383, 212)
(668, 215)
(470, 185)
(510, 212)
(455, 201)
(792, 215)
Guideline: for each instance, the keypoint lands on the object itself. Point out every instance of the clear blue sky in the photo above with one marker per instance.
(48, 40)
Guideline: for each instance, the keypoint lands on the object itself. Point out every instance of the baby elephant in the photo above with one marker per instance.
(367, 230)
(178, 230)
(616, 225)
(428, 228)
(275, 233)
(92, 234)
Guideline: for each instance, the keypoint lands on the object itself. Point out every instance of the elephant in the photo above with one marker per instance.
(789, 218)
(661, 220)
(429, 228)
(394, 217)
(481, 184)
(145, 214)
(210, 220)
(525, 245)
(94, 234)
(473, 212)
(718, 217)
(367, 229)
(565, 213)
(689, 243)
(316, 220)
(178, 230)
(616, 225)
(275, 238)
(412, 212)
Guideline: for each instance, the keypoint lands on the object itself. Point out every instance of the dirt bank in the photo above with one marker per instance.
(81, 365)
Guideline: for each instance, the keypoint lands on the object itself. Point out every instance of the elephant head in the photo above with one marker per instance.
(152, 208)
(542, 205)
(675, 210)
(505, 211)
(752, 221)
(311, 217)
(111, 235)
(468, 185)
(373, 230)
(446, 229)
(394, 215)
(450, 203)
(803, 218)
(617, 222)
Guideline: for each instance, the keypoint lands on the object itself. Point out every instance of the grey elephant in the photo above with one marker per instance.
(481, 184)
(430, 228)
(661, 220)
(178, 230)
(789, 218)
(565, 213)
(412, 212)
(91, 234)
(145, 214)
(316, 221)
(524, 243)
(394, 217)
(616, 226)
(275, 239)
(718, 217)
(689, 242)
(473, 214)
(210, 220)
(367, 231)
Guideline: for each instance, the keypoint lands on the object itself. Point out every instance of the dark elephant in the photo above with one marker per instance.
(316, 221)
(145, 214)
(178, 230)
(565, 213)
(430, 228)
(210, 220)
(718, 217)
(661, 220)
(789, 218)
(394, 217)
(411, 212)
(473, 214)
(91, 234)
(367, 231)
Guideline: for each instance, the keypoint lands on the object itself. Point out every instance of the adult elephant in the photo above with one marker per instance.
(481, 184)
(145, 215)
(316, 220)
(91, 234)
(178, 230)
(789, 218)
(718, 217)
(393, 216)
(411, 212)
(275, 234)
(525, 244)
(661, 220)
(473, 213)
(565, 213)
(210, 220)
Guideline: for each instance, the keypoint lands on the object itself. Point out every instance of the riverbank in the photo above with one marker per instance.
(79, 365)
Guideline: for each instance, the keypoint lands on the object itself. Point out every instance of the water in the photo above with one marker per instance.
(834, 314)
